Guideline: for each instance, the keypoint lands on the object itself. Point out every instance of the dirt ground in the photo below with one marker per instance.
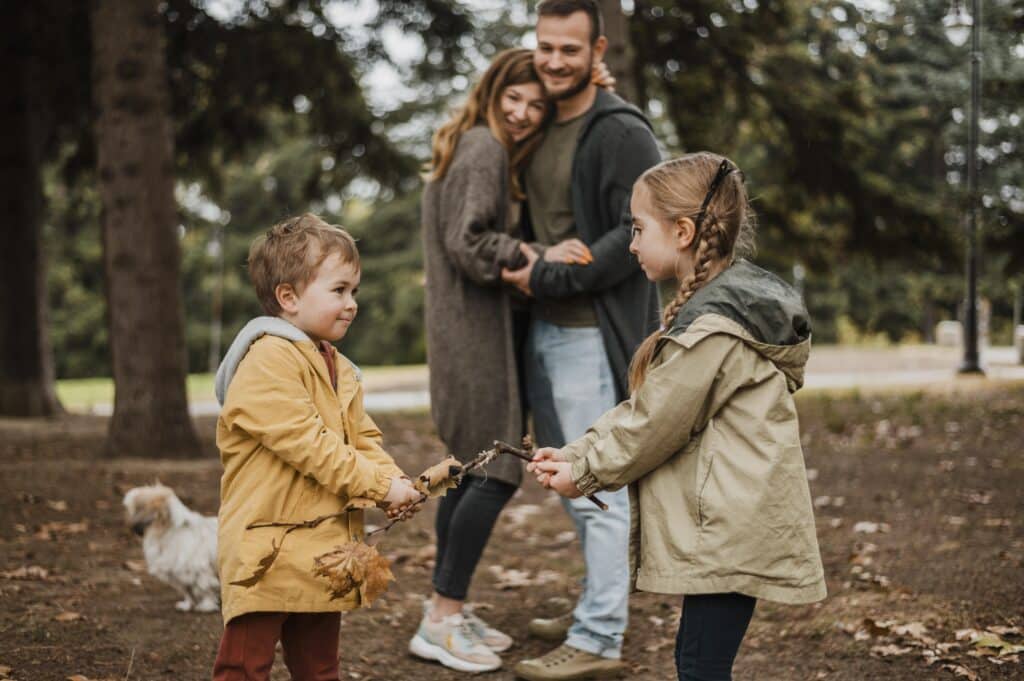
(920, 521)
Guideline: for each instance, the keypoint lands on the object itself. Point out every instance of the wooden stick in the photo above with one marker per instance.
(506, 448)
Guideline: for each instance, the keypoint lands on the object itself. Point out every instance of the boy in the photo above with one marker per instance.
(295, 444)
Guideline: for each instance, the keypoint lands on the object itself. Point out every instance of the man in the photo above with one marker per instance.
(588, 316)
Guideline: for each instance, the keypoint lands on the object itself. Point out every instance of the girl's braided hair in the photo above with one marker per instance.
(708, 189)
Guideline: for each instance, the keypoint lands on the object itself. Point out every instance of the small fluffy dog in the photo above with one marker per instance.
(180, 545)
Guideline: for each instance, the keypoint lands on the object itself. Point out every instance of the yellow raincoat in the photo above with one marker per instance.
(293, 449)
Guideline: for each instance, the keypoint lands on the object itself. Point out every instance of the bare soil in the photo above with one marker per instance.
(936, 476)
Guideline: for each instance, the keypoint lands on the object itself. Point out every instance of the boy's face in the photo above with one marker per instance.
(327, 305)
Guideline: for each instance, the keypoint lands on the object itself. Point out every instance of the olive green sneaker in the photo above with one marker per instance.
(566, 663)
(551, 628)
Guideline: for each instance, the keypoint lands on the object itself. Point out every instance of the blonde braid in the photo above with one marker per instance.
(709, 249)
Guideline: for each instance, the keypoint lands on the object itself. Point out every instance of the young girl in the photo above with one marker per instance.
(708, 441)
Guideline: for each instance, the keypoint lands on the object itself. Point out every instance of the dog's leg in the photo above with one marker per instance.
(207, 604)
(186, 603)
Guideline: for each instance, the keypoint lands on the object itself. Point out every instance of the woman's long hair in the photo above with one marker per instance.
(510, 67)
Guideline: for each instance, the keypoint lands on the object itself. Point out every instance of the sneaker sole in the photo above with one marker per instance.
(428, 651)
(500, 648)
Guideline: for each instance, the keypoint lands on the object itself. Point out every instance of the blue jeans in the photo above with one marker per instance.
(569, 383)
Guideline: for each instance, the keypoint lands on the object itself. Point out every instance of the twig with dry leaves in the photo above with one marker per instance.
(358, 565)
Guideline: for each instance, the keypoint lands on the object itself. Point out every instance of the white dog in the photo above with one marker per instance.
(180, 545)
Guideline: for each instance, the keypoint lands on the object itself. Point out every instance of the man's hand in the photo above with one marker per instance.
(401, 497)
(521, 278)
(570, 251)
(556, 475)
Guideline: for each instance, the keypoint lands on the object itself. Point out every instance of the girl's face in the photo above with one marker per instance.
(663, 248)
(522, 109)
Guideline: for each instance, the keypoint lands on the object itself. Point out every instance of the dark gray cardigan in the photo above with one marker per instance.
(615, 147)
(474, 389)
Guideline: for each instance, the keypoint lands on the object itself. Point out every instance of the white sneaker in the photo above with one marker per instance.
(495, 639)
(453, 643)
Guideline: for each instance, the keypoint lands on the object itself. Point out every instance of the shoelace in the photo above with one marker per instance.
(468, 631)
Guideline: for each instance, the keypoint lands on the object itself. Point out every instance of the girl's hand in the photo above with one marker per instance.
(557, 475)
(571, 251)
(602, 77)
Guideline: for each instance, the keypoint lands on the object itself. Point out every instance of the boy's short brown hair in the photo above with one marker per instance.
(291, 252)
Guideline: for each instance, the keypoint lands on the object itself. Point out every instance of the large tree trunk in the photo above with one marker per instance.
(26, 359)
(135, 166)
(619, 56)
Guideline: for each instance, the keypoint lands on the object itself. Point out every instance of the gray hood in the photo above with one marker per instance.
(250, 333)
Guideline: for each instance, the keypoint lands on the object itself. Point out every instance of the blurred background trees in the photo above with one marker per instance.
(848, 118)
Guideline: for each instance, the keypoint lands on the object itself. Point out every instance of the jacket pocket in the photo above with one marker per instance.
(705, 460)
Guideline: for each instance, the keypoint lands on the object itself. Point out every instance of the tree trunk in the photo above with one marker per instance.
(619, 56)
(135, 167)
(26, 359)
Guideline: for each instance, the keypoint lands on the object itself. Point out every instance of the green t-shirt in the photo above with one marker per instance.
(549, 193)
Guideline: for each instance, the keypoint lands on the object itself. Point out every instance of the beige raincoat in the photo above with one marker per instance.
(710, 448)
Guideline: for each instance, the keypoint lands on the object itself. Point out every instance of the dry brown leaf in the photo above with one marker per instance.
(135, 565)
(439, 478)
(1004, 631)
(354, 566)
(68, 617)
(57, 505)
(78, 677)
(263, 566)
(960, 670)
(26, 572)
(5, 671)
(891, 649)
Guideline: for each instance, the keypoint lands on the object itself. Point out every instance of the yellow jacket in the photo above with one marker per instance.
(293, 449)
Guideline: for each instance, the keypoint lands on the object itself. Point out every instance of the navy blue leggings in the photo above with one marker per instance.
(463, 524)
(710, 632)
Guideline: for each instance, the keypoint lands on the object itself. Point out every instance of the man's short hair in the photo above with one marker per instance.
(291, 252)
(563, 8)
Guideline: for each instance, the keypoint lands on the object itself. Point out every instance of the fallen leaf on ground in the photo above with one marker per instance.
(68, 617)
(57, 505)
(135, 565)
(26, 572)
(868, 527)
(891, 649)
(960, 670)
(511, 578)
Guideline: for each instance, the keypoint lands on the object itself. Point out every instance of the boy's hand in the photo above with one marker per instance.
(556, 475)
(401, 498)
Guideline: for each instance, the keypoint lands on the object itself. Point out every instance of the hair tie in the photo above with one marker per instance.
(724, 168)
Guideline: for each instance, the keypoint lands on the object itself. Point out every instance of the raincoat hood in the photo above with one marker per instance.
(250, 333)
(767, 313)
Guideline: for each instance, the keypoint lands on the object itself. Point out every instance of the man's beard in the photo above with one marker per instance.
(579, 86)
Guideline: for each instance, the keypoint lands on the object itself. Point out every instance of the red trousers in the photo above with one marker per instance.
(309, 640)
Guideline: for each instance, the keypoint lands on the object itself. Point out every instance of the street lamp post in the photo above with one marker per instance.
(956, 25)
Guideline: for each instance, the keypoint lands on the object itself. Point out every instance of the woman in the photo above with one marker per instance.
(469, 235)
(470, 218)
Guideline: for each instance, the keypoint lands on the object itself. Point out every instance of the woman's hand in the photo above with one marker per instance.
(544, 454)
(602, 77)
(571, 251)
(556, 475)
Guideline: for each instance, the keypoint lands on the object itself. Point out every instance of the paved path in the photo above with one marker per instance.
(830, 368)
